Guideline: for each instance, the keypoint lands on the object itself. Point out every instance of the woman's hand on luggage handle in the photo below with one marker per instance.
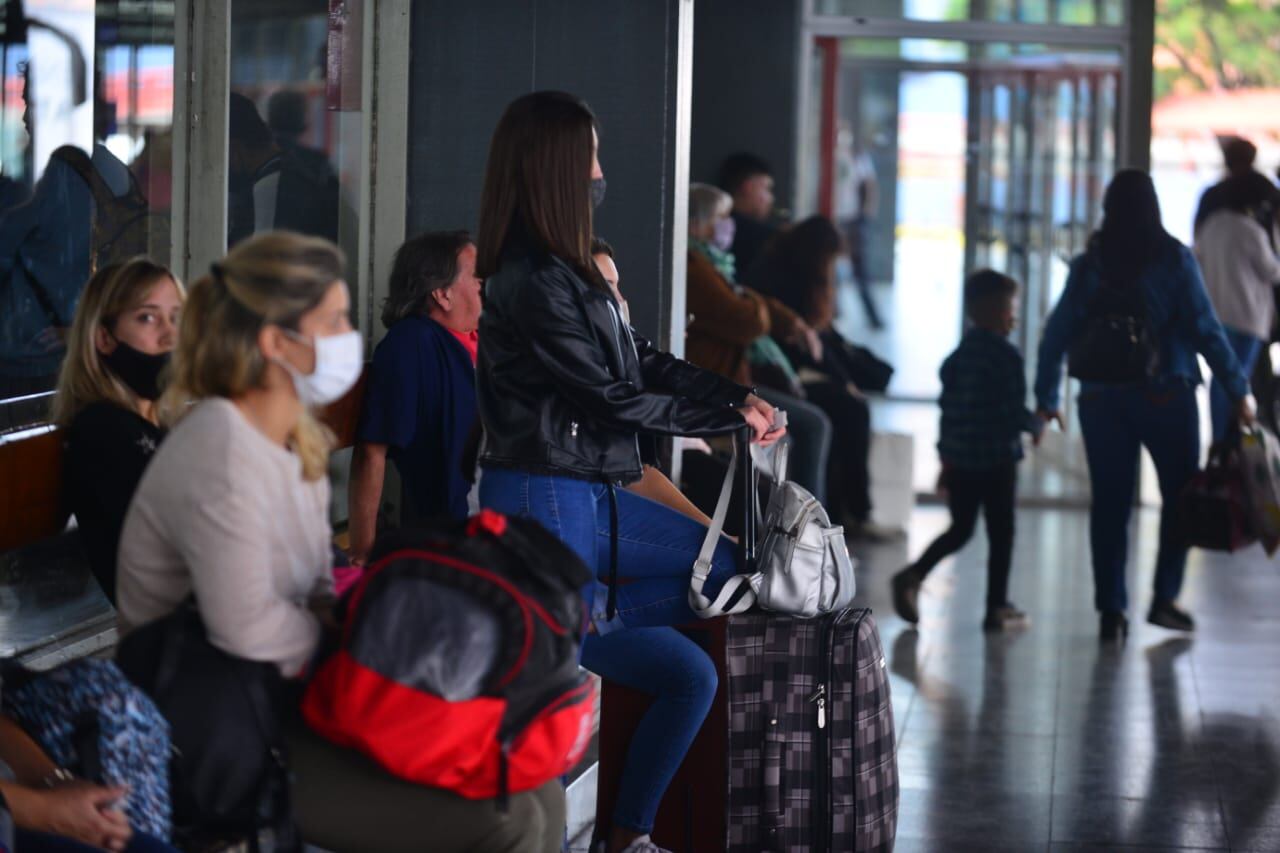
(1054, 417)
(760, 416)
(1247, 411)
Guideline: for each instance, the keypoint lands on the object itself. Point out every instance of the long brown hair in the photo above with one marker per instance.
(539, 175)
(270, 279)
(84, 378)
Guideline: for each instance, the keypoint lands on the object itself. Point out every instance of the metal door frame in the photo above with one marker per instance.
(202, 87)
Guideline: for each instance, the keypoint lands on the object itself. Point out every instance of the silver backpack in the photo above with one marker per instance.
(802, 566)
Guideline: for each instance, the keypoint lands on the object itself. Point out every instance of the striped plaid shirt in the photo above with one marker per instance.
(984, 411)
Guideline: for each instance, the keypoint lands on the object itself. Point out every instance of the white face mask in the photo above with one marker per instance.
(339, 360)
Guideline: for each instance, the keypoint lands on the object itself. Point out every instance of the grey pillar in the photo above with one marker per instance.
(630, 61)
(746, 86)
(1138, 80)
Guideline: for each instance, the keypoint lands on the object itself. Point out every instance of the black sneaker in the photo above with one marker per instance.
(1166, 614)
(906, 592)
(1005, 617)
(1114, 627)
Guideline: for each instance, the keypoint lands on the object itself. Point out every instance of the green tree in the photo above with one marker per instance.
(1217, 44)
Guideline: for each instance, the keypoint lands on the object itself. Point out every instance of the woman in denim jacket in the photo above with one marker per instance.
(1132, 248)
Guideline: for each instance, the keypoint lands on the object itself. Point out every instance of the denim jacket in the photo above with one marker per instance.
(1178, 310)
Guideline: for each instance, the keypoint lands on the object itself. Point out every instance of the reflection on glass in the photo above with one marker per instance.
(1068, 12)
(294, 152)
(983, 154)
(86, 113)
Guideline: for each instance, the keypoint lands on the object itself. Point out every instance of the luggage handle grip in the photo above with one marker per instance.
(771, 784)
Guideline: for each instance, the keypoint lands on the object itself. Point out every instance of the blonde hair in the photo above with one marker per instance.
(271, 279)
(708, 203)
(84, 379)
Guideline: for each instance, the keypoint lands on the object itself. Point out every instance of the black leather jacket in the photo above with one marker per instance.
(564, 387)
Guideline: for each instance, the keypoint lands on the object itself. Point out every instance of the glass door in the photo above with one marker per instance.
(984, 154)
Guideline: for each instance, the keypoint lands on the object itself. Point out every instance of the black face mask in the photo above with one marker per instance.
(139, 370)
(597, 191)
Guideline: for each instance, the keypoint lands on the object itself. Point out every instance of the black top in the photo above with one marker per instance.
(1251, 189)
(565, 387)
(749, 239)
(108, 448)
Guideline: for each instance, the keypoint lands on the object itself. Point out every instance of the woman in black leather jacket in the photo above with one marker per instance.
(566, 392)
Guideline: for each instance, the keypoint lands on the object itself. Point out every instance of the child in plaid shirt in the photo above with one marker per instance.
(984, 415)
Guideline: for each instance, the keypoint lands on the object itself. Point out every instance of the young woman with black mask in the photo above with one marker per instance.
(125, 328)
(567, 394)
(1132, 253)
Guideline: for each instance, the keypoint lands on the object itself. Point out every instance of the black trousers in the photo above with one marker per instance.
(992, 491)
(848, 475)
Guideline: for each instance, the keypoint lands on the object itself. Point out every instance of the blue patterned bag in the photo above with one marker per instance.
(91, 720)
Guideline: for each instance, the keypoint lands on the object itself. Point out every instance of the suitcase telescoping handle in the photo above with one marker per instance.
(747, 486)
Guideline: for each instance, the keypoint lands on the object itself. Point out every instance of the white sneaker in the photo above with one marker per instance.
(643, 844)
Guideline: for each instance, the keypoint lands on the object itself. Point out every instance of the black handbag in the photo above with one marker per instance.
(1213, 509)
(1117, 345)
(229, 772)
(848, 362)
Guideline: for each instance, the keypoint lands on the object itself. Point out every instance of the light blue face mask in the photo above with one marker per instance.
(725, 230)
(598, 187)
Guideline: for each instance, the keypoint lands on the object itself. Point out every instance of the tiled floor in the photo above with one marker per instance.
(1043, 740)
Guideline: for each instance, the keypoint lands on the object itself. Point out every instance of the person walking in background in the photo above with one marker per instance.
(857, 199)
(1243, 183)
(984, 414)
(1131, 252)
(1241, 271)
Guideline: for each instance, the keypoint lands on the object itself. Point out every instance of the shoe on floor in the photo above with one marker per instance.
(906, 594)
(869, 531)
(643, 844)
(1005, 617)
(1166, 614)
(1114, 626)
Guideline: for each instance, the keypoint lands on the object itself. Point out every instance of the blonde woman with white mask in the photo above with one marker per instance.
(234, 506)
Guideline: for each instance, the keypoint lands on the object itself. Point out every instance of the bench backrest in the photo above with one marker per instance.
(31, 489)
(31, 506)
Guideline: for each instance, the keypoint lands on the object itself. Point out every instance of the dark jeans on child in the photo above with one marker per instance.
(993, 492)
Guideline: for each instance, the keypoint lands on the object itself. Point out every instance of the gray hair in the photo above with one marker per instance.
(708, 203)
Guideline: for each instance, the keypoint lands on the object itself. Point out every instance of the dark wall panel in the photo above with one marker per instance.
(471, 59)
(745, 82)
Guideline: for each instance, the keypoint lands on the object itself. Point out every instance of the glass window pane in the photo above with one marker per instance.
(296, 112)
(86, 120)
(1070, 12)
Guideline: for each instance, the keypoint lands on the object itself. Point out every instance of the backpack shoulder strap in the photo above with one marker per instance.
(738, 585)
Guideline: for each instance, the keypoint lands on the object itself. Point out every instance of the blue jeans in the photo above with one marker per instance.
(656, 550)
(1247, 348)
(27, 841)
(1117, 423)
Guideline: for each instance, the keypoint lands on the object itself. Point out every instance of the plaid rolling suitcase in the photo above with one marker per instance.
(798, 753)
(812, 756)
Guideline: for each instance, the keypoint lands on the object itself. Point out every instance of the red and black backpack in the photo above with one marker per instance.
(458, 664)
